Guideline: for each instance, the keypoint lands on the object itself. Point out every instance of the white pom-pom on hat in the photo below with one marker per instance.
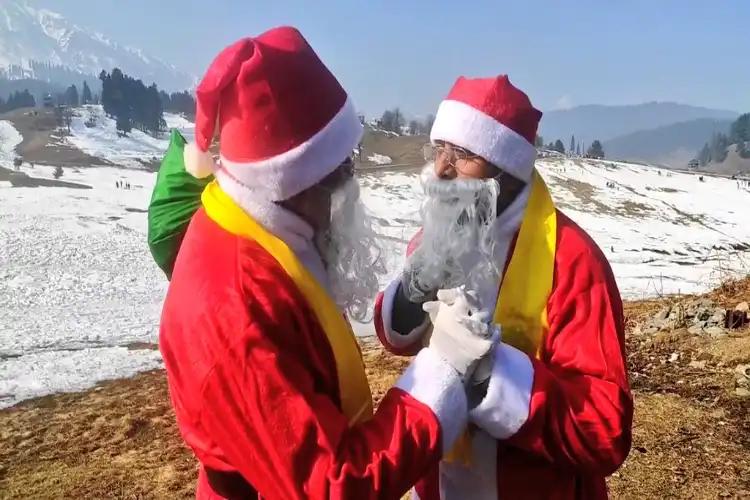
(200, 164)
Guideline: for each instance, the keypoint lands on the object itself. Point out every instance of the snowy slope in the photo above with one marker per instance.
(103, 142)
(80, 292)
(77, 284)
(27, 33)
(663, 232)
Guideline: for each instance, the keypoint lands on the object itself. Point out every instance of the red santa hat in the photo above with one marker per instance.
(493, 119)
(284, 120)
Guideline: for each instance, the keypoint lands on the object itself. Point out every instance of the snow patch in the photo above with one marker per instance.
(103, 141)
(10, 138)
(379, 159)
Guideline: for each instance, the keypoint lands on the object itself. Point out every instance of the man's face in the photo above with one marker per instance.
(314, 204)
(345, 238)
(454, 162)
(463, 196)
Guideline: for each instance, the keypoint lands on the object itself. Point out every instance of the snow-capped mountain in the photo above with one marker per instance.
(30, 35)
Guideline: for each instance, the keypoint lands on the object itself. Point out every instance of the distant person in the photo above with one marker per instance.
(552, 409)
(265, 374)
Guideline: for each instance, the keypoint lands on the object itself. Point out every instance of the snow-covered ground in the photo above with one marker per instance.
(379, 159)
(663, 232)
(9, 139)
(102, 141)
(78, 287)
(79, 292)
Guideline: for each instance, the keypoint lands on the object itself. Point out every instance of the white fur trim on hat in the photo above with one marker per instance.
(289, 173)
(199, 164)
(467, 127)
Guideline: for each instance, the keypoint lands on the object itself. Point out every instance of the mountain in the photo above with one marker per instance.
(672, 145)
(595, 121)
(33, 39)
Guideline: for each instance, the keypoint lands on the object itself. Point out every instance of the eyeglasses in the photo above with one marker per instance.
(446, 152)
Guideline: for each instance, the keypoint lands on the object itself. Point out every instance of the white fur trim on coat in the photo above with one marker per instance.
(282, 223)
(435, 383)
(467, 127)
(396, 339)
(505, 408)
(283, 176)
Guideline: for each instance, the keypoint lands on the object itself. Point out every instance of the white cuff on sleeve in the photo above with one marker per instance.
(505, 408)
(435, 383)
(395, 339)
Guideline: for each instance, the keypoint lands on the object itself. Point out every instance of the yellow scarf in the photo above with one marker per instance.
(356, 399)
(521, 307)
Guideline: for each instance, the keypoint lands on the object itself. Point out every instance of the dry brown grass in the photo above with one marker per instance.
(118, 441)
(402, 150)
(37, 126)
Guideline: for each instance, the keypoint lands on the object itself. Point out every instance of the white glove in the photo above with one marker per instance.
(459, 336)
(484, 367)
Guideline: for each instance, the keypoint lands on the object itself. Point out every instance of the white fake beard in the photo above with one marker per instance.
(458, 239)
(351, 253)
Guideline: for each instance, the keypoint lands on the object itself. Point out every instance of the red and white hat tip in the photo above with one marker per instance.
(284, 120)
(199, 164)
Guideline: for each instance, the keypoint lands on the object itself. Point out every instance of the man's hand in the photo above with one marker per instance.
(460, 334)
(412, 291)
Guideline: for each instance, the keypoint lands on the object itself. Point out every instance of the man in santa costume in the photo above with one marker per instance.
(552, 411)
(265, 374)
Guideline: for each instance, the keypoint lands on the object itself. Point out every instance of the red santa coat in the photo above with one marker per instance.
(254, 386)
(553, 427)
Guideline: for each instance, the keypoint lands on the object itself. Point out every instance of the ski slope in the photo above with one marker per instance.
(80, 296)
(102, 140)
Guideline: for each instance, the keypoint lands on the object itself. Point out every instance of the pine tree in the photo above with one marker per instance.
(71, 96)
(107, 98)
(741, 149)
(132, 104)
(559, 147)
(123, 122)
(413, 127)
(428, 123)
(595, 151)
(86, 97)
(572, 147)
(719, 147)
(704, 156)
(58, 172)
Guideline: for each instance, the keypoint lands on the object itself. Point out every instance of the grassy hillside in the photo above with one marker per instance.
(664, 144)
(733, 164)
(401, 149)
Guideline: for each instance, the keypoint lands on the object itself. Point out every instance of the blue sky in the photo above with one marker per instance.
(408, 53)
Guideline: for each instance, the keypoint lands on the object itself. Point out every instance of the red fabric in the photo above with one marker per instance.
(499, 99)
(270, 94)
(409, 350)
(579, 427)
(254, 386)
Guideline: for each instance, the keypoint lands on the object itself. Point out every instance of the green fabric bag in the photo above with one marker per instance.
(174, 201)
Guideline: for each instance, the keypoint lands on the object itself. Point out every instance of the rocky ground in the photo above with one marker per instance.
(690, 376)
